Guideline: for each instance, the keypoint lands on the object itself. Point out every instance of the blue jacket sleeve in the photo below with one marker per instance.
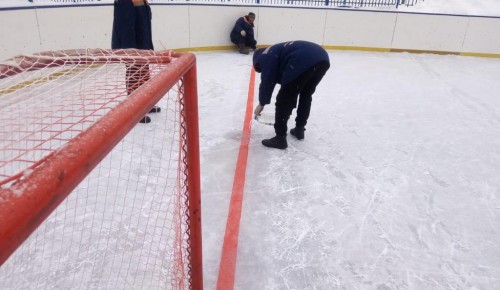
(240, 24)
(269, 78)
(238, 27)
(266, 92)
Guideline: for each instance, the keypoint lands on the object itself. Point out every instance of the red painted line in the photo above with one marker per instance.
(227, 268)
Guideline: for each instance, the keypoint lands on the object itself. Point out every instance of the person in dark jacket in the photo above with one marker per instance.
(298, 66)
(132, 29)
(242, 34)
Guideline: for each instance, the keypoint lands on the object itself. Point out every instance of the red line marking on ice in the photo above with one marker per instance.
(227, 268)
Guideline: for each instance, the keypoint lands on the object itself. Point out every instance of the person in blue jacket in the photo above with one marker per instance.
(298, 66)
(132, 29)
(242, 34)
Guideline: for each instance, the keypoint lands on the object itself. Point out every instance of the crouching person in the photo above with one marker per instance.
(242, 34)
(298, 66)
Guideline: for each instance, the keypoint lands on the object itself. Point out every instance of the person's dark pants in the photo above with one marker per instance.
(244, 41)
(286, 100)
(136, 75)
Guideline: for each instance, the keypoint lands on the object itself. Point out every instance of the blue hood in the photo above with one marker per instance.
(256, 57)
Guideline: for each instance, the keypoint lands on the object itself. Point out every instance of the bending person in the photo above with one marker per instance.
(298, 66)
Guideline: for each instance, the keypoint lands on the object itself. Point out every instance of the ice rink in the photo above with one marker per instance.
(396, 185)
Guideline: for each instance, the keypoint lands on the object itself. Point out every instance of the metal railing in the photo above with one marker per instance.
(317, 3)
(341, 3)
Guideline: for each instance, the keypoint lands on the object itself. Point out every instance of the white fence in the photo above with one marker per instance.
(336, 3)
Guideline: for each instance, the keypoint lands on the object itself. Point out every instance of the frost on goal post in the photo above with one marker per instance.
(88, 196)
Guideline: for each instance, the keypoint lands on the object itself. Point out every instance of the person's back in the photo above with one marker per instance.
(284, 62)
(298, 56)
(132, 25)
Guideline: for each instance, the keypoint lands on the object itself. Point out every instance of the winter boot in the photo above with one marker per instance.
(298, 132)
(278, 142)
(155, 109)
(243, 49)
(145, 120)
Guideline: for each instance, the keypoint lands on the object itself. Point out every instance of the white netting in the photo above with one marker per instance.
(124, 226)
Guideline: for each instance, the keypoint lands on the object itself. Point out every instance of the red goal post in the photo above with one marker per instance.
(63, 187)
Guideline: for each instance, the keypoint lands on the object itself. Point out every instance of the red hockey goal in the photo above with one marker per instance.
(89, 197)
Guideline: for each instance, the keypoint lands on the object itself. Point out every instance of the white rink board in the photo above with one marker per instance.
(68, 28)
(12, 43)
(171, 27)
(359, 28)
(280, 24)
(483, 34)
(211, 25)
(194, 26)
(429, 32)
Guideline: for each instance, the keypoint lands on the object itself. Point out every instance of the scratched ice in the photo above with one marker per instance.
(395, 186)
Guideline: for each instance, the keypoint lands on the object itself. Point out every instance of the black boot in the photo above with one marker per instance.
(155, 109)
(298, 132)
(243, 49)
(145, 120)
(278, 142)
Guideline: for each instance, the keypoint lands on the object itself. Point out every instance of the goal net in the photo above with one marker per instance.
(89, 197)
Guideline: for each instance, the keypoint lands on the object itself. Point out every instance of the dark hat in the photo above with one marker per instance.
(251, 15)
(256, 59)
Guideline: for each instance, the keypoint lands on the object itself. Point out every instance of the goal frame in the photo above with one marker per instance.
(28, 201)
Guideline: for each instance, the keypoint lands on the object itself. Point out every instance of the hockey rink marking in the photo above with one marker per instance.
(227, 267)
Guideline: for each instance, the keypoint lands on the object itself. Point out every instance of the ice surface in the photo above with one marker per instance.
(396, 185)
